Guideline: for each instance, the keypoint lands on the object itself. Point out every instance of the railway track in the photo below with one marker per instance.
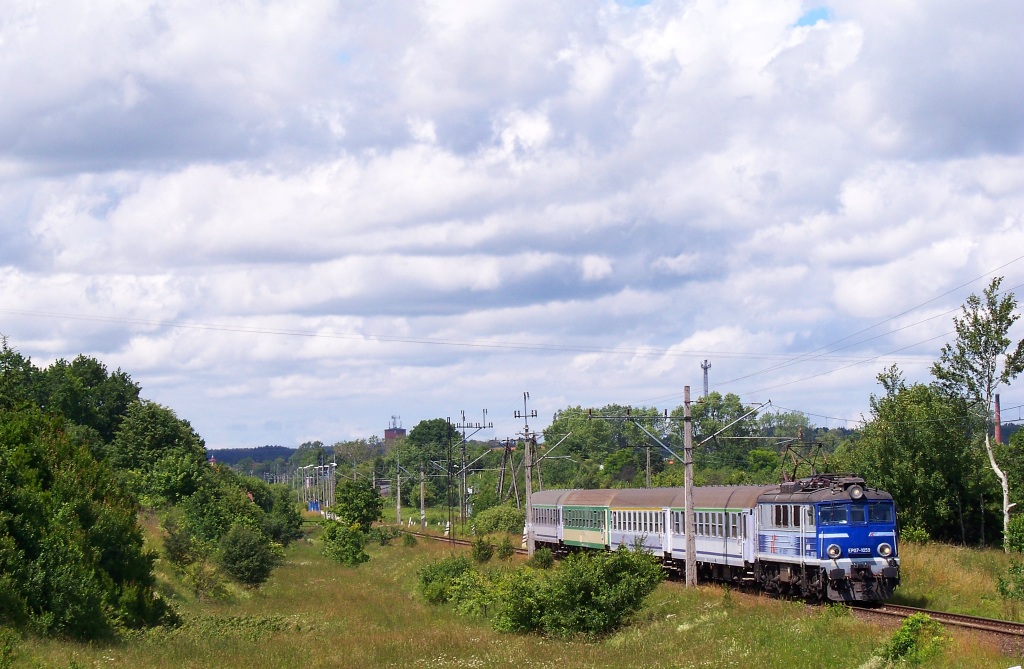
(456, 542)
(1001, 627)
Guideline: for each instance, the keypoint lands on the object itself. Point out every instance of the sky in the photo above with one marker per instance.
(293, 221)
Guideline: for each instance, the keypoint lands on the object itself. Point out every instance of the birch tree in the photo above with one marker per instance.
(979, 361)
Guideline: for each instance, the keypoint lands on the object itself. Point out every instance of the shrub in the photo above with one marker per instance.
(246, 555)
(1011, 587)
(409, 540)
(500, 519)
(206, 582)
(383, 534)
(1015, 533)
(482, 550)
(593, 593)
(542, 558)
(436, 579)
(918, 638)
(345, 544)
(520, 600)
(178, 545)
(9, 642)
(471, 593)
(505, 548)
(914, 534)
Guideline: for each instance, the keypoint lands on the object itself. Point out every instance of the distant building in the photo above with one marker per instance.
(395, 431)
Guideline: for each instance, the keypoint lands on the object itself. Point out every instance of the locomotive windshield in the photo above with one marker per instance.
(856, 514)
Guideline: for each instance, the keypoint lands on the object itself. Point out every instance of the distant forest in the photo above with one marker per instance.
(232, 456)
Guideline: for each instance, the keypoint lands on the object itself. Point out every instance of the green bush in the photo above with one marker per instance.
(520, 598)
(246, 555)
(1015, 533)
(542, 558)
(917, 639)
(590, 594)
(205, 580)
(505, 549)
(72, 559)
(9, 642)
(482, 550)
(914, 534)
(178, 545)
(593, 593)
(383, 534)
(500, 519)
(471, 593)
(344, 544)
(436, 579)
(409, 540)
(1011, 588)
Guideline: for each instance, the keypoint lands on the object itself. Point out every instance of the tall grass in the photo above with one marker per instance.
(952, 578)
(315, 613)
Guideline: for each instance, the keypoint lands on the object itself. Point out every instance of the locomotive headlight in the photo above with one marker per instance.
(834, 551)
(885, 550)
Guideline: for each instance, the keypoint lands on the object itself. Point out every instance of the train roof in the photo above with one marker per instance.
(820, 488)
(715, 497)
(824, 488)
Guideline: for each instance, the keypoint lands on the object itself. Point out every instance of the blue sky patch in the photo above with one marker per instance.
(813, 16)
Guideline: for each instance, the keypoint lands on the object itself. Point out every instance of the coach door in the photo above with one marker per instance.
(750, 537)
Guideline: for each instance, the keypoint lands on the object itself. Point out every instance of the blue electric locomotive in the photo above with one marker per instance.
(827, 537)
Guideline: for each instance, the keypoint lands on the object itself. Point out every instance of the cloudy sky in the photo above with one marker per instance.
(293, 220)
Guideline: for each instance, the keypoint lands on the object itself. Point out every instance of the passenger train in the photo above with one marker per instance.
(827, 537)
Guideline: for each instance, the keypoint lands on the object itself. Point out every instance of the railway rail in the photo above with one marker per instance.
(450, 540)
(1001, 627)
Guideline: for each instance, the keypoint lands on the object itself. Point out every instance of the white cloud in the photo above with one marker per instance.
(595, 197)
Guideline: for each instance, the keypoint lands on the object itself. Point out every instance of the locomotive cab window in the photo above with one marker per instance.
(833, 514)
(880, 513)
(858, 514)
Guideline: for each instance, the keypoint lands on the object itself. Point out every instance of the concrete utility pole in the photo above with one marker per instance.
(398, 483)
(691, 517)
(423, 499)
(528, 440)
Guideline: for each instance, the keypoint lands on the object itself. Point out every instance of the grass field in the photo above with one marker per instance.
(314, 613)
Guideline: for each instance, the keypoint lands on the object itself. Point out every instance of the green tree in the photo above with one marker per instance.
(18, 377)
(84, 392)
(283, 523)
(71, 553)
(158, 454)
(917, 446)
(309, 453)
(580, 434)
(358, 503)
(979, 361)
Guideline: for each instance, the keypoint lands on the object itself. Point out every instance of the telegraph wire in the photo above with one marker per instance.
(505, 345)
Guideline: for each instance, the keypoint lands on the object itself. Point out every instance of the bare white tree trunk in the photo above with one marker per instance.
(1005, 483)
